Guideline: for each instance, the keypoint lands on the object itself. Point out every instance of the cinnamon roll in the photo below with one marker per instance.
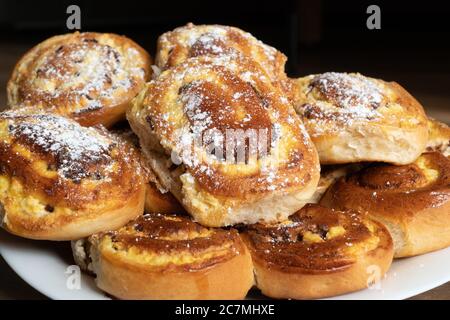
(412, 201)
(90, 77)
(225, 141)
(439, 137)
(62, 181)
(189, 41)
(318, 252)
(168, 257)
(353, 118)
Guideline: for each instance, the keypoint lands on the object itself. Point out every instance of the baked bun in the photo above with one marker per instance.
(90, 77)
(412, 201)
(157, 199)
(352, 118)
(62, 181)
(176, 46)
(329, 175)
(318, 252)
(439, 137)
(169, 257)
(159, 202)
(225, 142)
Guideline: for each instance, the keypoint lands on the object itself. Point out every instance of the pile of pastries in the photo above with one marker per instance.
(99, 146)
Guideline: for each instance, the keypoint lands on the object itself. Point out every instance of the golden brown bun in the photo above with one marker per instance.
(170, 257)
(329, 175)
(189, 41)
(318, 253)
(157, 199)
(352, 118)
(158, 202)
(439, 137)
(62, 181)
(216, 97)
(90, 77)
(412, 201)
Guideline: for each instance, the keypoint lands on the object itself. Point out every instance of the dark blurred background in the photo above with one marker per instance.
(412, 46)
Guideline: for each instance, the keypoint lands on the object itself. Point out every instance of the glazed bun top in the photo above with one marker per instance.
(316, 239)
(170, 243)
(189, 41)
(79, 74)
(330, 101)
(214, 97)
(64, 164)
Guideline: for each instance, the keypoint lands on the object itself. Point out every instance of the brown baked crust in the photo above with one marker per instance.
(90, 77)
(353, 118)
(439, 137)
(176, 46)
(156, 199)
(171, 257)
(318, 252)
(329, 175)
(62, 181)
(158, 202)
(413, 201)
(208, 94)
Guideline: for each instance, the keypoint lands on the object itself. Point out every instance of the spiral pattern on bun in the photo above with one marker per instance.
(169, 257)
(413, 201)
(353, 118)
(317, 252)
(190, 41)
(224, 180)
(62, 181)
(90, 77)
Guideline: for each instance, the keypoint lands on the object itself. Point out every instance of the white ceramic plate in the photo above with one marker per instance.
(44, 266)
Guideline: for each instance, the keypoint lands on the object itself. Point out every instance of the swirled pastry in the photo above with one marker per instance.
(225, 141)
(412, 201)
(157, 199)
(90, 77)
(62, 181)
(189, 41)
(439, 137)
(352, 118)
(168, 257)
(318, 252)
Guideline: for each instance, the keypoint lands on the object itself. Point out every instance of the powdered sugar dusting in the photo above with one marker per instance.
(85, 72)
(340, 98)
(348, 91)
(69, 143)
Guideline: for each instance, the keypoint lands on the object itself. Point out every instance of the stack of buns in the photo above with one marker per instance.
(226, 174)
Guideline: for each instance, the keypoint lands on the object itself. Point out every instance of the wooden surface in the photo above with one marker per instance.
(437, 105)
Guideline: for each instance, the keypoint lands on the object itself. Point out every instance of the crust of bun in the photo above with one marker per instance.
(412, 201)
(439, 137)
(200, 263)
(352, 118)
(177, 46)
(220, 193)
(322, 271)
(90, 77)
(62, 181)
